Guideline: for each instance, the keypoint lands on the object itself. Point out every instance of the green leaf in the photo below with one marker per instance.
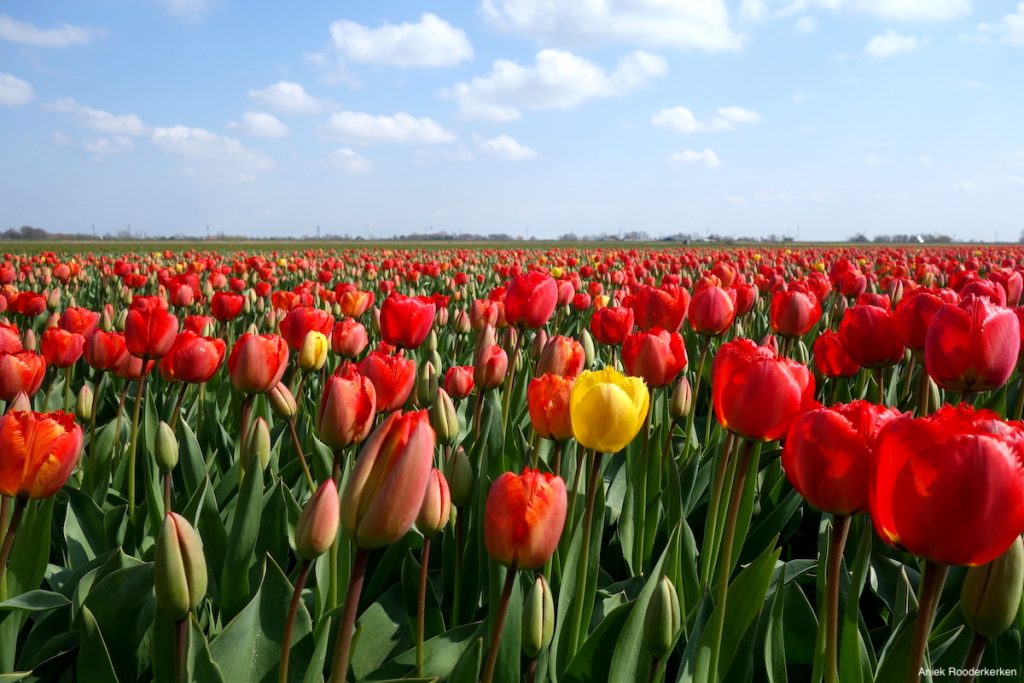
(467, 669)
(386, 620)
(441, 654)
(594, 659)
(84, 530)
(245, 528)
(123, 604)
(34, 601)
(93, 663)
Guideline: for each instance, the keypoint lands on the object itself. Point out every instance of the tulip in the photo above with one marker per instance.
(484, 312)
(317, 526)
(313, 352)
(353, 302)
(84, 403)
(991, 593)
(166, 448)
(225, 306)
(662, 621)
(459, 473)
(444, 418)
(914, 314)
(10, 337)
(538, 618)
(664, 307)
(384, 493)
(302, 320)
(192, 359)
(794, 311)
(458, 381)
(20, 372)
(870, 337)
(393, 378)
(257, 362)
(831, 358)
(972, 346)
(745, 376)
(607, 409)
(346, 410)
(179, 567)
(610, 325)
(149, 329)
(40, 450)
(282, 402)
(436, 507)
(348, 338)
(562, 356)
(405, 321)
(255, 446)
(426, 385)
(547, 399)
(530, 300)
(680, 403)
(79, 320)
(712, 310)
(61, 348)
(490, 366)
(656, 355)
(104, 351)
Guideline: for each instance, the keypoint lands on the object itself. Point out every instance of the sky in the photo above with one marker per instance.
(815, 119)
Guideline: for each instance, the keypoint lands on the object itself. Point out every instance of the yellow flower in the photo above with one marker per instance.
(607, 409)
(313, 353)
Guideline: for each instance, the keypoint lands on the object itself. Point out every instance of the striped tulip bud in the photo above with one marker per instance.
(317, 526)
(166, 448)
(663, 619)
(256, 445)
(282, 402)
(991, 593)
(84, 403)
(443, 418)
(459, 472)
(538, 618)
(179, 567)
(437, 505)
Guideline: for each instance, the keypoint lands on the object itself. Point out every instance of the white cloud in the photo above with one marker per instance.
(348, 160)
(221, 157)
(109, 146)
(682, 120)
(887, 10)
(753, 10)
(890, 44)
(506, 147)
(556, 80)
(977, 85)
(287, 98)
(99, 120)
(260, 124)
(706, 157)
(1009, 29)
(694, 24)
(187, 10)
(735, 200)
(62, 35)
(805, 25)
(401, 127)
(430, 42)
(14, 92)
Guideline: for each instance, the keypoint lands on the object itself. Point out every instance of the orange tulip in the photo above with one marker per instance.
(39, 452)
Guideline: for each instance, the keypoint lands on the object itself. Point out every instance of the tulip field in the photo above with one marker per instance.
(465, 463)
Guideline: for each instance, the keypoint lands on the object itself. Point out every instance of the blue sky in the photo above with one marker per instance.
(535, 117)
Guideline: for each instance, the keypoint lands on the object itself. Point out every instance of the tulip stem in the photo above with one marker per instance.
(175, 414)
(840, 531)
(181, 650)
(974, 655)
(725, 559)
(711, 525)
(696, 395)
(289, 624)
(5, 550)
(927, 601)
(301, 455)
(499, 624)
(655, 666)
(575, 626)
(880, 385)
(343, 645)
(510, 380)
(134, 442)
(92, 418)
(421, 605)
(68, 394)
(460, 532)
(167, 492)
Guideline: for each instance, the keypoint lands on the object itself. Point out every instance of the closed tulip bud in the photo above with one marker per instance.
(28, 340)
(122, 316)
(523, 518)
(540, 340)
(437, 505)
(431, 343)
(588, 349)
(256, 445)
(317, 526)
(166, 448)
(443, 418)
(459, 473)
(663, 619)
(426, 385)
(434, 358)
(487, 337)
(562, 356)
(282, 402)
(490, 367)
(509, 335)
(681, 403)
(179, 567)
(106, 321)
(84, 403)
(461, 323)
(21, 402)
(347, 406)
(991, 593)
(53, 301)
(313, 353)
(384, 493)
(538, 618)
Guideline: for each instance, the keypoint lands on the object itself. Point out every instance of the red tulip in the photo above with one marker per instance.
(226, 306)
(914, 314)
(665, 307)
(828, 455)
(149, 329)
(562, 356)
(869, 335)
(353, 302)
(257, 362)
(132, 368)
(61, 348)
(384, 494)
(831, 358)
(20, 372)
(458, 381)
(405, 321)
(393, 378)
(972, 346)
(302, 320)
(755, 393)
(746, 297)
(79, 320)
(530, 300)
(104, 350)
(346, 409)
(348, 338)
(712, 310)
(524, 517)
(483, 312)
(192, 359)
(10, 338)
(656, 355)
(40, 450)
(950, 487)
(610, 325)
(29, 304)
(547, 399)
(794, 311)
(490, 366)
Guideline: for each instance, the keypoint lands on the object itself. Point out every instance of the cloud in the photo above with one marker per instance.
(430, 42)
(805, 25)
(890, 44)
(348, 160)
(401, 127)
(1009, 29)
(187, 10)
(682, 120)
(287, 98)
(117, 144)
(220, 157)
(260, 124)
(506, 147)
(62, 35)
(556, 80)
(694, 24)
(14, 92)
(909, 11)
(99, 120)
(706, 157)
(735, 200)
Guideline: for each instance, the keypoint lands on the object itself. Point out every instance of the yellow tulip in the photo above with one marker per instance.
(607, 409)
(313, 353)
